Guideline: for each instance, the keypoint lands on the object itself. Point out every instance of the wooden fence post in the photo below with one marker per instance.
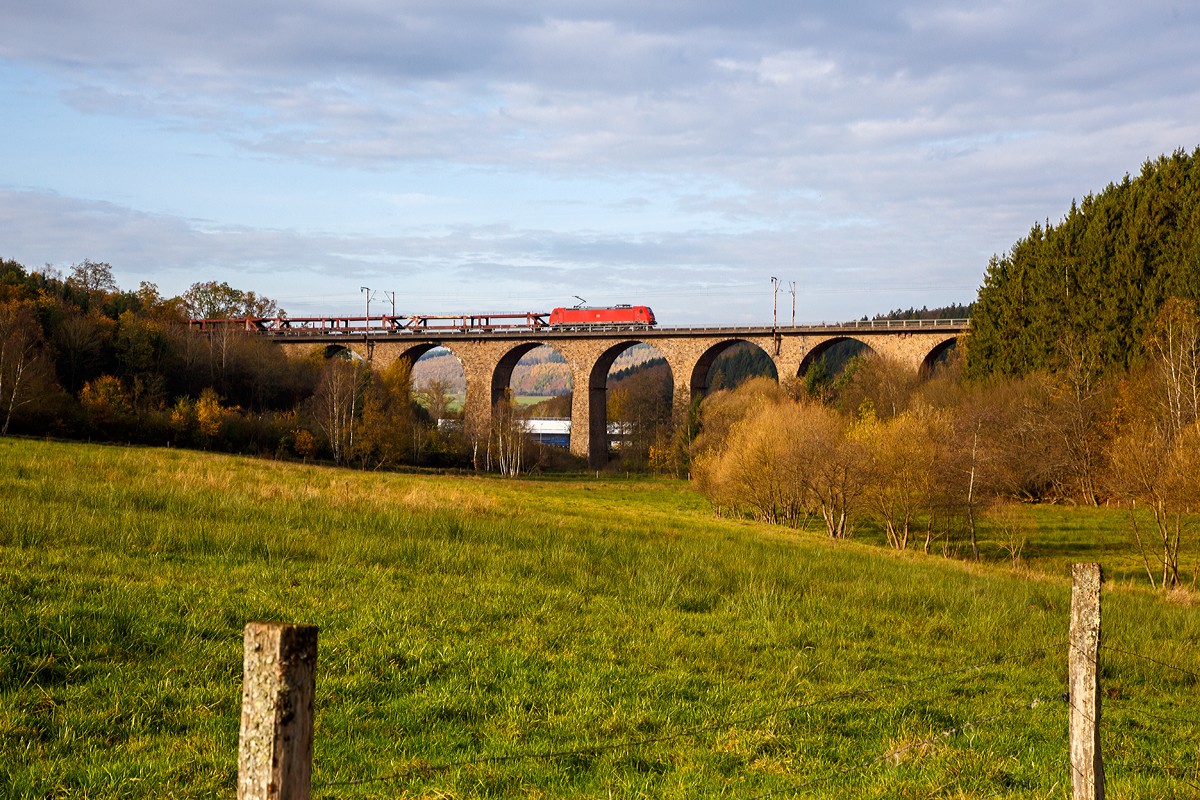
(278, 684)
(1087, 766)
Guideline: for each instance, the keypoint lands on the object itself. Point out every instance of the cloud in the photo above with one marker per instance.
(562, 85)
(901, 144)
(476, 266)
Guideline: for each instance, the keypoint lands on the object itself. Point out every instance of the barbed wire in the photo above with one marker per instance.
(1152, 660)
(1125, 706)
(901, 750)
(1134, 709)
(1153, 767)
(1066, 697)
(1157, 768)
(600, 748)
(1028, 782)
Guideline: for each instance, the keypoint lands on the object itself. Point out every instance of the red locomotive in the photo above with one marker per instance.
(621, 316)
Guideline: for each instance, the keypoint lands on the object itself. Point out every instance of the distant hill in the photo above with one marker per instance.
(542, 372)
(616, 375)
(739, 364)
(439, 363)
(647, 376)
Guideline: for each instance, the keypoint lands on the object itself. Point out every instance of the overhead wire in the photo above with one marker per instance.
(722, 290)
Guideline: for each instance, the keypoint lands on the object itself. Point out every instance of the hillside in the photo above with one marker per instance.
(644, 384)
(439, 364)
(1096, 279)
(463, 618)
(739, 364)
(541, 372)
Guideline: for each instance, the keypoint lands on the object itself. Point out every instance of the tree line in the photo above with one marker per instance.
(925, 458)
(81, 358)
(1098, 277)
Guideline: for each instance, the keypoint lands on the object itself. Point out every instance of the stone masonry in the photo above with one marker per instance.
(488, 363)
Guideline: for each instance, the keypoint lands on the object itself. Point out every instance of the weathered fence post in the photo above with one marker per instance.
(278, 684)
(1087, 766)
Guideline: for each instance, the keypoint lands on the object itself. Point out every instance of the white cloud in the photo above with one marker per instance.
(479, 266)
(905, 141)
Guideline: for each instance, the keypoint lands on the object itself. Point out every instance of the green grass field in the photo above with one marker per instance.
(464, 618)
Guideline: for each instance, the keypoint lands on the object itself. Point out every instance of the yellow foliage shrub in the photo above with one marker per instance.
(104, 398)
(209, 413)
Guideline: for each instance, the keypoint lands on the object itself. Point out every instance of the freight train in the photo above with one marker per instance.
(579, 318)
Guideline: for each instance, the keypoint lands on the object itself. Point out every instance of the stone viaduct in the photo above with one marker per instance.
(488, 358)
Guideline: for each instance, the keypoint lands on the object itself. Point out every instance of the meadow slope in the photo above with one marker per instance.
(464, 618)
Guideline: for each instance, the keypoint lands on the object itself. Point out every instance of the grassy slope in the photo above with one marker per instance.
(1059, 536)
(464, 617)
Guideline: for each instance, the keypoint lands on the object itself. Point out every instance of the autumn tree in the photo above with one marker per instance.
(213, 300)
(183, 420)
(509, 440)
(1175, 343)
(22, 359)
(829, 463)
(386, 432)
(106, 403)
(336, 404)
(754, 470)
(209, 415)
(435, 396)
(887, 383)
(1165, 478)
(761, 450)
(722, 410)
(1080, 406)
(1155, 456)
(94, 279)
(719, 415)
(900, 468)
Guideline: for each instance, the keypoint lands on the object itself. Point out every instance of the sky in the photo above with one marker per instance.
(473, 156)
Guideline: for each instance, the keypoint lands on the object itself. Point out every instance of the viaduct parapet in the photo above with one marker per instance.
(488, 358)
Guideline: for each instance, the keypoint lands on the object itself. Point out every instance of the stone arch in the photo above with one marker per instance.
(502, 372)
(814, 355)
(415, 352)
(341, 351)
(507, 364)
(597, 398)
(936, 353)
(702, 370)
